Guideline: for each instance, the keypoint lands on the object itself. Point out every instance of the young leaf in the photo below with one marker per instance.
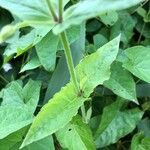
(138, 62)
(46, 50)
(65, 104)
(76, 135)
(116, 124)
(121, 82)
(87, 9)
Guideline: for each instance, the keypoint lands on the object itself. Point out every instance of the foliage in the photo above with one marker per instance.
(74, 74)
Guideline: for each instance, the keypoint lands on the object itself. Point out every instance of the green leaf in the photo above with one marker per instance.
(87, 9)
(76, 135)
(18, 106)
(55, 115)
(123, 26)
(46, 50)
(31, 94)
(35, 12)
(13, 118)
(31, 64)
(109, 18)
(9, 141)
(139, 142)
(95, 68)
(121, 83)
(99, 40)
(65, 104)
(25, 42)
(142, 12)
(12, 94)
(116, 124)
(138, 62)
(144, 126)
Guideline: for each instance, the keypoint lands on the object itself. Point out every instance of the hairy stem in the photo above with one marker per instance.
(68, 55)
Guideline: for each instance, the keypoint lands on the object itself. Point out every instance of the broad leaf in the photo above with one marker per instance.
(87, 9)
(140, 142)
(76, 135)
(13, 118)
(138, 62)
(65, 104)
(46, 50)
(116, 124)
(55, 115)
(121, 82)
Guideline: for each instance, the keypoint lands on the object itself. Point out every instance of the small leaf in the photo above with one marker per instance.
(87, 9)
(76, 135)
(116, 124)
(138, 62)
(121, 83)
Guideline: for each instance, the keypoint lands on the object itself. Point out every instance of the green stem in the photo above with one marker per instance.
(52, 10)
(83, 113)
(6, 81)
(60, 11)
(68, 55)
